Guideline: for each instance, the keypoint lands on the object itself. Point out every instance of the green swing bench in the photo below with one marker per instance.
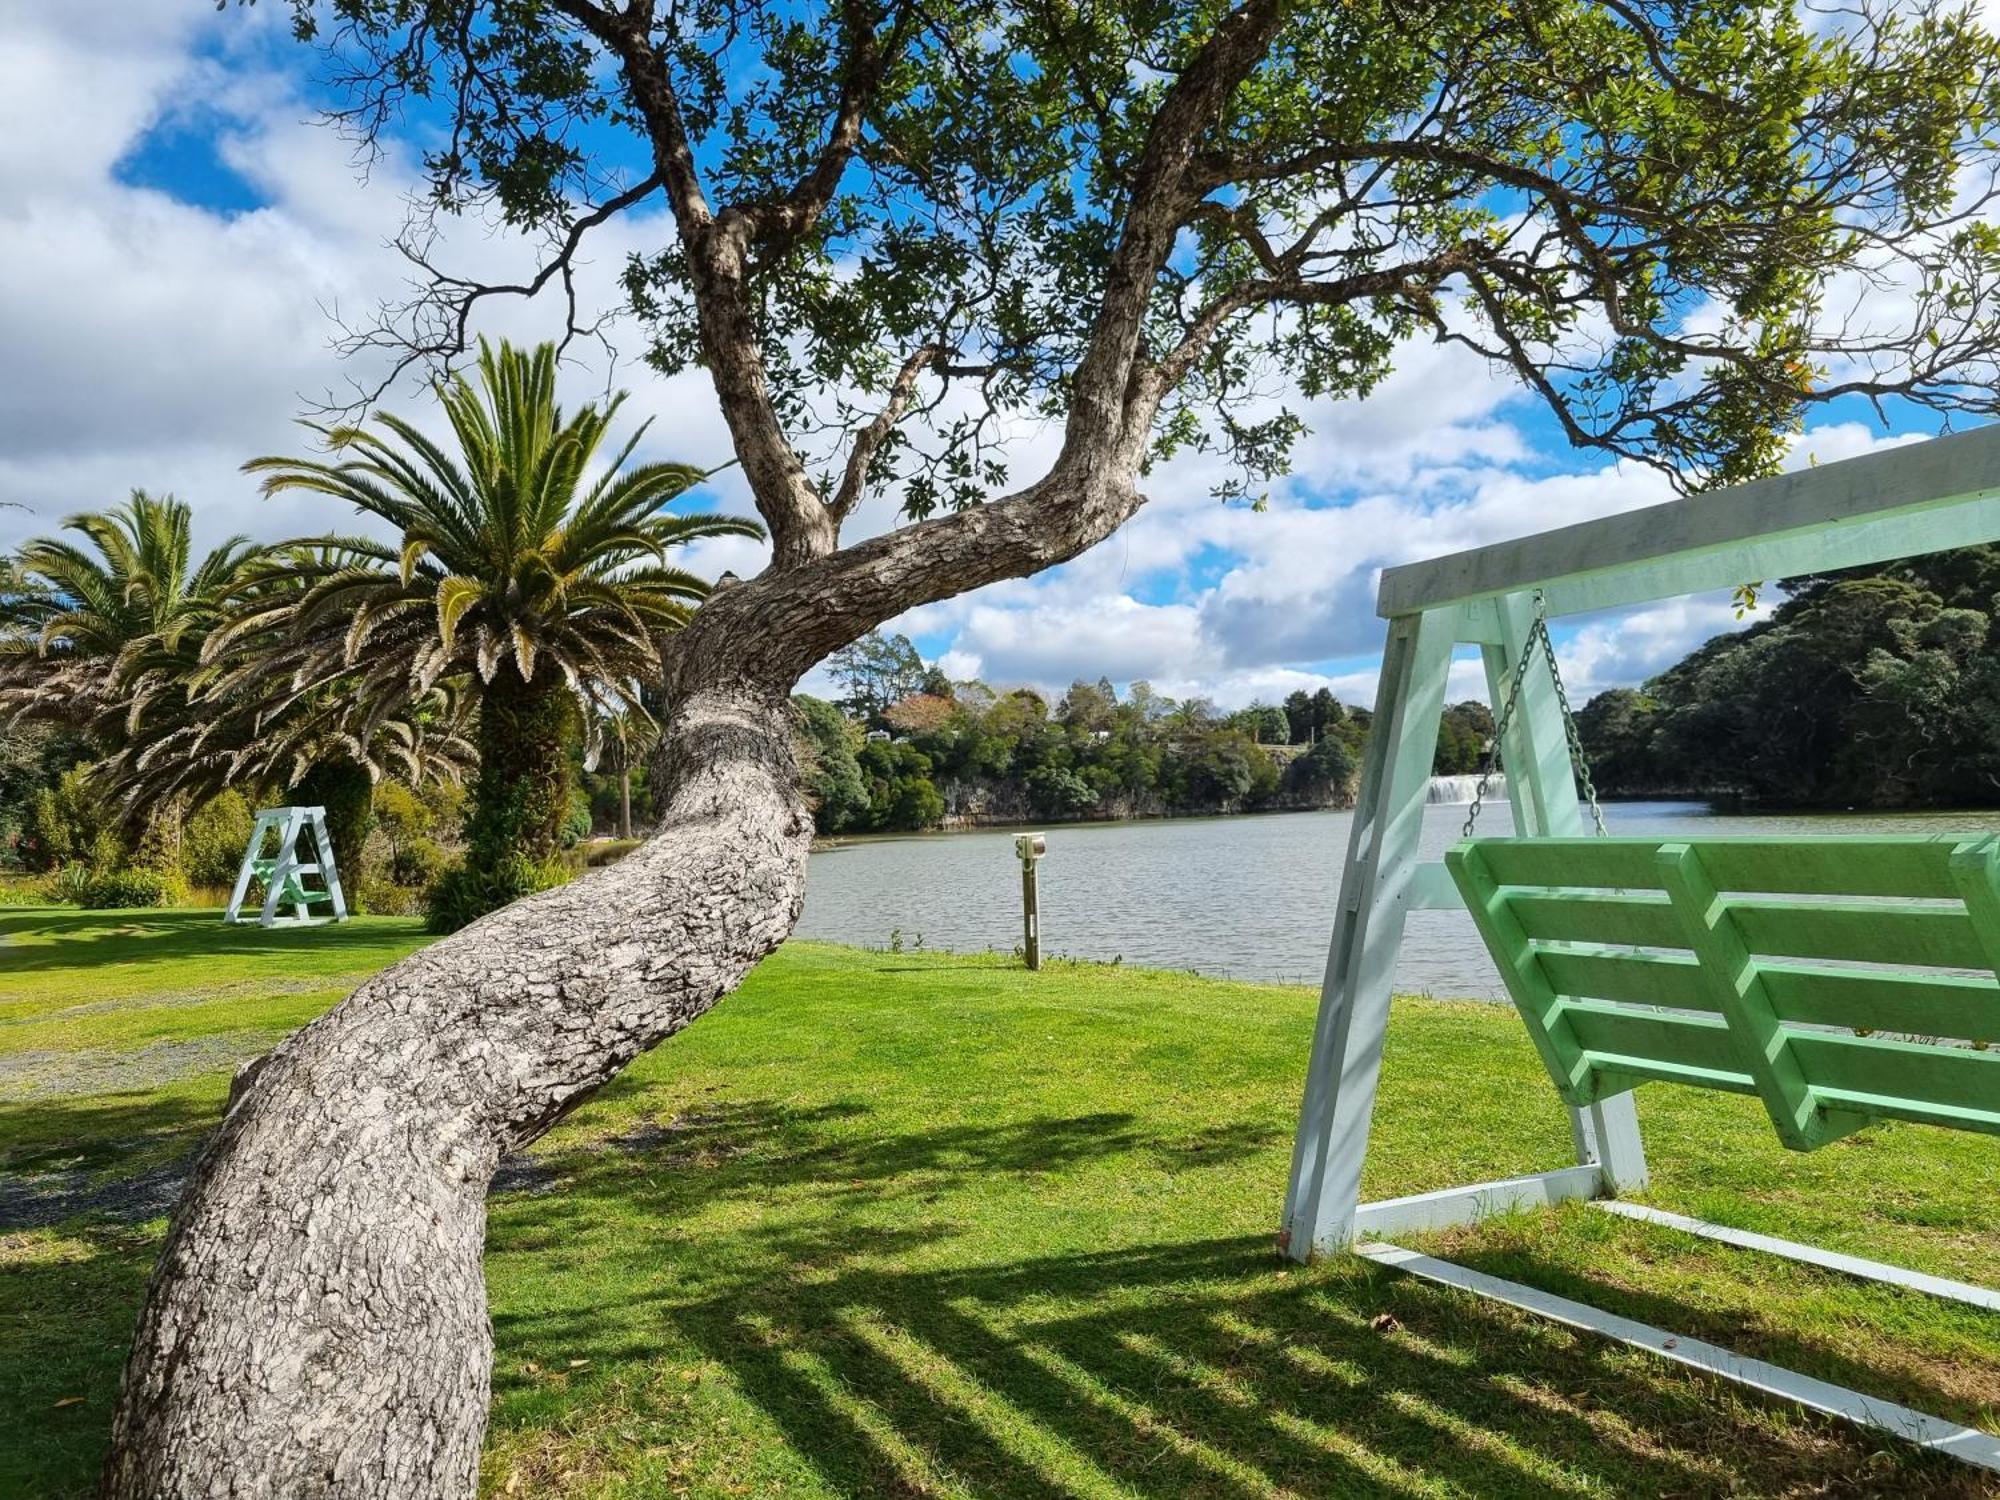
(1839, 980)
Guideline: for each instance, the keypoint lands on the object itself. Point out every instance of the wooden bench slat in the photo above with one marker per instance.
(1644, 918)
(1635, 978)
(1941, 1005)
(1954, 1078)
(1820, 866)
(1668, 959)
(1860, 931)
(1686, 1043)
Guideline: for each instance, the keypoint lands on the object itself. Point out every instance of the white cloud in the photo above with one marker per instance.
(154, 342)
(158, 343)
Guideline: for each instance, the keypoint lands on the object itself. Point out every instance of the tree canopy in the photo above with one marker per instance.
(1872, 688)
(1663, 218)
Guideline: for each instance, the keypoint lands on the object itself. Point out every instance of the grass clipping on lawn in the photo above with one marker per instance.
(925, 1224)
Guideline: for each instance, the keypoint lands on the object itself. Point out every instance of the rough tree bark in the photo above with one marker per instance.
(317, 1322)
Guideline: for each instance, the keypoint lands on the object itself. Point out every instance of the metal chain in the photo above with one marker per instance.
(1539, 631)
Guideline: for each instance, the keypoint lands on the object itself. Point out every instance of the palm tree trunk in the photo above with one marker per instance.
(317, 1324)
(520, 798)
(625, 801)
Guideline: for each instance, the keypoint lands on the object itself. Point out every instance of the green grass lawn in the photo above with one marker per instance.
(923, 1224)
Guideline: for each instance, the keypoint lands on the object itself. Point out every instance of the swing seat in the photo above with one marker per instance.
(1840, 980)
(293, 892)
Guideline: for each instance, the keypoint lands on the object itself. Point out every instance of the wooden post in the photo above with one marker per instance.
(1030, 847)
(1375, 892)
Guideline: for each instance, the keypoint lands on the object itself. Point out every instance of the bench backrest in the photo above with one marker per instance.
(1815, 973)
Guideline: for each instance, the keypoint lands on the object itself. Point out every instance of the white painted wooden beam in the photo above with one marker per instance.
(1450, 1207)
(1902, 502)
(1967, 1444)
(1812, 1255)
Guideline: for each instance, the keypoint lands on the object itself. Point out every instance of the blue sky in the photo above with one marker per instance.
(178, 230)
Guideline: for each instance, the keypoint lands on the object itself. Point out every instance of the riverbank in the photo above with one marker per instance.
(927, 1224)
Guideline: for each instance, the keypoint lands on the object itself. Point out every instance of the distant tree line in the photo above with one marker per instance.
(905, 748)
(1865, 688)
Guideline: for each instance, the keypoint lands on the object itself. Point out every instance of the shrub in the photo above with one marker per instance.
(417, 862)
(17, 890)
(130, 887)
(212, 844)
(379, 897)
(466, 892)
(69, 824)
(576, 822)
(63, 887)
(1324, 773)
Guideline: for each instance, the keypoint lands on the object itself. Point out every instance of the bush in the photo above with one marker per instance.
(212, 844)
(134, 887)
(417, 862)
(16, 890)
(576, 822)
(379, 897)
(1324, 773)
(464, 893)
(68, 824)
(64, 887)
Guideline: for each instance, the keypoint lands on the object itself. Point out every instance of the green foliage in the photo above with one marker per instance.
(901, 796)
(1308, 716)
(576, 820)
(1636, 209)
(108, 637)
(1863, 689)
(829, 742)
(877, 670)
(530, 566)
(1464, 734)
(33, 756)
(213, 842)
(1264, 723)
(530, 549)
(1007, 755)
(1324, 774)
(385, 896)
(417, 862)
(347, 792)
(1058, 792)
(468, 891)
(131, 887)
(68, 824)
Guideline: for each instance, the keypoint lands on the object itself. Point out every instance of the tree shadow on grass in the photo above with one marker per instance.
(1204, 1369)
(84, 940)
(66, 1314)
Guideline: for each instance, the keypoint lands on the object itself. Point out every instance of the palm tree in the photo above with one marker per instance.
(99, 636)
(106, 636)
(522, 563)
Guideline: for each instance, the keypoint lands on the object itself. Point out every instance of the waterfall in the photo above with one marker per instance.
(1462, 788)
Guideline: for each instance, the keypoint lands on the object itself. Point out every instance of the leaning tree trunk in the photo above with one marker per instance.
(317, 1324)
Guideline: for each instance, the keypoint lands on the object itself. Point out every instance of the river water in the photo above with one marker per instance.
(1246, 897)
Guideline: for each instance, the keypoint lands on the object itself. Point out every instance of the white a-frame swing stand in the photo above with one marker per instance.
(1905, 502)
(285, 874)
